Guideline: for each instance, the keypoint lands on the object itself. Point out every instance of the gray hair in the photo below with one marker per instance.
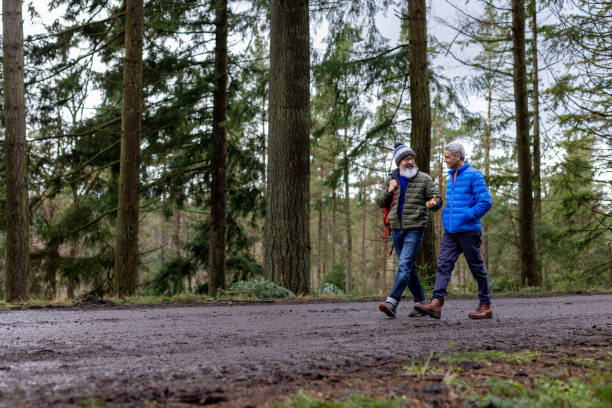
(456, 148)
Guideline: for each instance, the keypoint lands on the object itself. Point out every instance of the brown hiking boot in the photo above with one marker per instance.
(432, 307)
(483, 311)
(416, 313)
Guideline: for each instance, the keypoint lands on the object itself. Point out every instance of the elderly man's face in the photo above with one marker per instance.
(407, 161)
(452, 161)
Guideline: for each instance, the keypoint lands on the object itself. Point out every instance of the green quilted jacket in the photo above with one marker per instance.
(419, 189)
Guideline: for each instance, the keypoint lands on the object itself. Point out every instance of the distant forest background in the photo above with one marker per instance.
(79, 89)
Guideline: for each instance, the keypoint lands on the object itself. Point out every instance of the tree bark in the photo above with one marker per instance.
(420, 134)
(529, 276)
(320, 245)
(364, 218)
(126, 248)
(333, 226)
(17, 210)
(385, 262)
(537, 176)
(375, 269)
(216, 257)
(348, 284)
(162, 243)
(176, 232)
(609, 264)
(487, 162)
(287, 234)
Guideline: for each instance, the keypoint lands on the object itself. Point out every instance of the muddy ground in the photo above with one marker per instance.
(243, 354)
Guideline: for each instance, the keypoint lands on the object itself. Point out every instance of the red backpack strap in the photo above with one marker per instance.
(386, 217)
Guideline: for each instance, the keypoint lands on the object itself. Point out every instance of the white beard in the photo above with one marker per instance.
(408, 172)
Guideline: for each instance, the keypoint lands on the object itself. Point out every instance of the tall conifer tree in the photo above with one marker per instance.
(287, 233)
(126, 247)
(420, 135)
(529, 275)
(17, 212)
(216, 262)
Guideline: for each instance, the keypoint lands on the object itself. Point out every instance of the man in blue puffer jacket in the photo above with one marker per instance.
(467, 200)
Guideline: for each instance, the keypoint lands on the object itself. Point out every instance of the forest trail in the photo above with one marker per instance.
(60, 357)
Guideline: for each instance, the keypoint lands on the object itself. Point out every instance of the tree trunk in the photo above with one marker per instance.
(364, 218)
(420, 134)
(487, 163)
(320, 245)
(287, 234)
(348, 284)
(537, 176)
(176, 233)
(537, 179)
(385, 261)
(216, 257)
(70, 286)
(126, 249)
(442, 190)
(610, 264)
(529, 276)
(333, 226)
(17, 210)
(162, 243)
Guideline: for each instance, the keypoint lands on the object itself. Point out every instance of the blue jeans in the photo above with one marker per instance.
(453, 244)
(407, 243)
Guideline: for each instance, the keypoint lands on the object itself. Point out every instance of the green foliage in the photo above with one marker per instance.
(590, 389)
(259, 288)
(545, 392)
(303, 400)
(329, 289)
(170, 279)
(239, 261)
(336, 276)
(487, 356)
(425, 368)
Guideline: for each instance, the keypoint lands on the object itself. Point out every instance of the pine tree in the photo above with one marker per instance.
(17, 212)
(420, 134)
(287, 234)
(126, 249)
(529, 273)
(218, 155)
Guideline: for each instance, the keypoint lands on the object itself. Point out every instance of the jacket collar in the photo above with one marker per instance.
(460, 169)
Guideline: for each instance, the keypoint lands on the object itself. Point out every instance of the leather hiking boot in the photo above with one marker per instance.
(388, 308)
(483, 311)
(416, 313)
(432, 308)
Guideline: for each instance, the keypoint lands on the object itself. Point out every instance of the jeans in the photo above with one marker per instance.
(407, 243)
(453, 244)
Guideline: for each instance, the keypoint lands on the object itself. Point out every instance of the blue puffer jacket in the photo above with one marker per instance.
(467, 200)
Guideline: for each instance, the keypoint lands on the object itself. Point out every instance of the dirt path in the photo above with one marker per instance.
(58, 357)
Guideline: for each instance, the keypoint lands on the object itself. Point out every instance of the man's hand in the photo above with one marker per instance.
(393, 185)
(431, 203)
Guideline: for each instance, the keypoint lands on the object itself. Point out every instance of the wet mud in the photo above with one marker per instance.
(210, 355)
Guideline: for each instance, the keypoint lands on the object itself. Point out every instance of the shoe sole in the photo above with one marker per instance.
(481, 317)
(426, 312)
(386, 311)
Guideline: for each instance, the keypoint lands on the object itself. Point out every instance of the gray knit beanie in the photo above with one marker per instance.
(401, 151)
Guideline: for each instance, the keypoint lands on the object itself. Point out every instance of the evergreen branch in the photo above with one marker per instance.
(85, 133)
(73, 28)
(82, 227)
(75, 61)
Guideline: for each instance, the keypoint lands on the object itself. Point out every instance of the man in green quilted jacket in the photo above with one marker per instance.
(410, 194)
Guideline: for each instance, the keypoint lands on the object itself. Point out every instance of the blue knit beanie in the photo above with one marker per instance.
(401, 151)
